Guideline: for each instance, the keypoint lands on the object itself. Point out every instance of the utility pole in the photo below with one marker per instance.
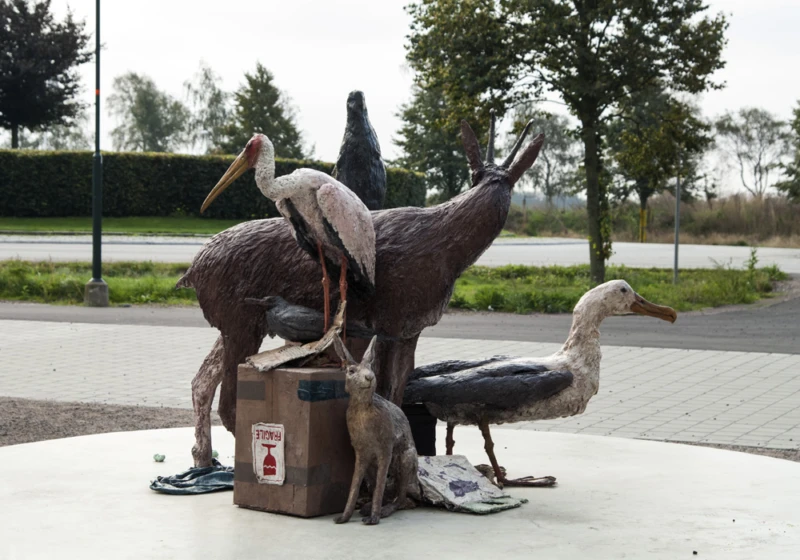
(96, 291)
(677, 219)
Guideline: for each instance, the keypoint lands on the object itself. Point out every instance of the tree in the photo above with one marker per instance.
(38, 66)
(555, 171)
(259, 106)
(757, 143)
(73, 136)
(656, 138)
(149, 119)
(433, 150)
(791, 186)
(209, 106)
(592, 53)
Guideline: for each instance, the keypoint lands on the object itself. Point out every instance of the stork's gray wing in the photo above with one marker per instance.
(502, 385)
(349, 222)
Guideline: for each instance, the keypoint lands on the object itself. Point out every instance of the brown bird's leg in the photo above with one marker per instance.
(498, 473)
(326, 288)
(448, 440)
(343, 296)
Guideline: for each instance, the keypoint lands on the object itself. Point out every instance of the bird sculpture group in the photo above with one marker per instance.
(399, 267)
(419, 254)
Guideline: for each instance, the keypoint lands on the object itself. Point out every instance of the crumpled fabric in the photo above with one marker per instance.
(451, 482)
(197, 480)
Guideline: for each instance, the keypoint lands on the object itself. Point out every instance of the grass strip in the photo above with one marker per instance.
(514, 289)
(556, 289)
(63, 283)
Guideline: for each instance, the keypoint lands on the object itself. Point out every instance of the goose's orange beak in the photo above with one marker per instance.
(237, 168)
(644, 307)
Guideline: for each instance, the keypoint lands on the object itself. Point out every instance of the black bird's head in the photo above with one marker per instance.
(355, 103)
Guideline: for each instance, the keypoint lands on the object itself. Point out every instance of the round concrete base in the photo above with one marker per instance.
(88, 497)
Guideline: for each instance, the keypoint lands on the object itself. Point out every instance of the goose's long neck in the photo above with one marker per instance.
(584, 335)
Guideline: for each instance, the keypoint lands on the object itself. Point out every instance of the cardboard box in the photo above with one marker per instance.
(293, 451)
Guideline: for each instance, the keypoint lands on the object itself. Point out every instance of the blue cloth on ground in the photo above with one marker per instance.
(197, 480)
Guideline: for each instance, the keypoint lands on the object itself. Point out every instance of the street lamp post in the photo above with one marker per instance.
(96, 290)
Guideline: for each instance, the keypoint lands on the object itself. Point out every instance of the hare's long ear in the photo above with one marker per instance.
(369, 356)
(342, 352)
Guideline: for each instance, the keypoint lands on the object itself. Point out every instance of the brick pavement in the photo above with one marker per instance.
(742, 398)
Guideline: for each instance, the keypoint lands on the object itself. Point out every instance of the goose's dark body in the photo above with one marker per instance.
(488, 390)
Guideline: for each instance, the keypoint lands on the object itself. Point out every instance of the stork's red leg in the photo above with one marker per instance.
(343, 296)
(326, 288)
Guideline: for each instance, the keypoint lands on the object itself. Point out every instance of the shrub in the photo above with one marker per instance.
(59, 184)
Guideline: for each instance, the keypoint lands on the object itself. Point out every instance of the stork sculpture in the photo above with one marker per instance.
(328, 220)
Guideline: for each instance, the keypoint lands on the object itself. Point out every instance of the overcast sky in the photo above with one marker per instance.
(320, 50)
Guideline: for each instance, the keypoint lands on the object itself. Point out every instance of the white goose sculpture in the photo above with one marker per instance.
(500, 390)
(328, 220)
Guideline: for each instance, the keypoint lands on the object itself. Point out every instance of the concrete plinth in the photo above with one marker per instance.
(95, 293)
(88, 497)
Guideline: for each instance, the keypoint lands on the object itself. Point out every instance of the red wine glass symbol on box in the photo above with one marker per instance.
(270, 465)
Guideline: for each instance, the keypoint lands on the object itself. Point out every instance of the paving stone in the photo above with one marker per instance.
(654, 393)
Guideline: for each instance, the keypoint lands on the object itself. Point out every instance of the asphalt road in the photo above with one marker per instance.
(529, 251)
(758, 328)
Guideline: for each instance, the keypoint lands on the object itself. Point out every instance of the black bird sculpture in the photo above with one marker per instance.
(297, 323)
(359, 165)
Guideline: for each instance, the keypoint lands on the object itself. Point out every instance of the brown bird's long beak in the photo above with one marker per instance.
(644, 307)
(239, 166)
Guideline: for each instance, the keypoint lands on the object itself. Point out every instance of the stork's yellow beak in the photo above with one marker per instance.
(239, 166)
(644, 307)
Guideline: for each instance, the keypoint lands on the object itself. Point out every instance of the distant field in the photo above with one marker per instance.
(119, 225)
(515, 289)
(772, 221)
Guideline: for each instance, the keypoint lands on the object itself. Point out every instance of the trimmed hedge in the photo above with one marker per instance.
(59, 184)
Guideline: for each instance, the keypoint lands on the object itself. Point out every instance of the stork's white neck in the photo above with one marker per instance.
(265, 171)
